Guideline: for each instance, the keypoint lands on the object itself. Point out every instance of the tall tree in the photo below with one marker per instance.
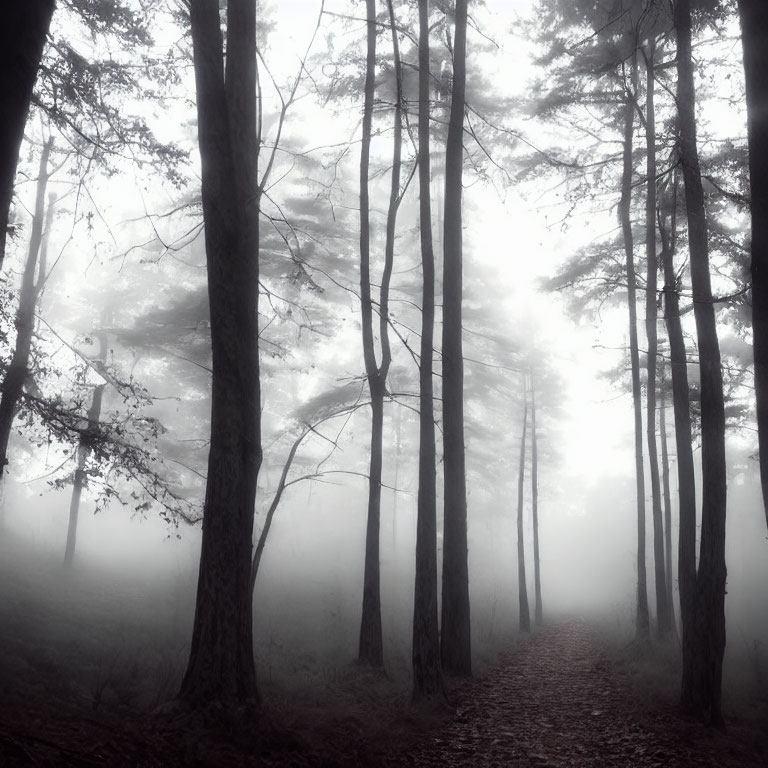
(686, 484)
(427, 674)
(371, 646)
(22, 37)
(754, 33)
(660, 581)
(18, 370)
(642, 620)
(538, 611)
(702, 690)
(455, 645)
(522, 584)
(221, 666)
(83, 449)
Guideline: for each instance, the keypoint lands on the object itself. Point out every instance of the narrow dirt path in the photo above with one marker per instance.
(557, 703)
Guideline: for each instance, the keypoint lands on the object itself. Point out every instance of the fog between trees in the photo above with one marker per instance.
(144, 290)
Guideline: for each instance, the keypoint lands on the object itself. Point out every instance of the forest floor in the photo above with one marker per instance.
(87, 661)
(563, 697)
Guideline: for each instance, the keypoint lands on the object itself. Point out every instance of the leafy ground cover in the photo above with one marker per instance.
(88, 665)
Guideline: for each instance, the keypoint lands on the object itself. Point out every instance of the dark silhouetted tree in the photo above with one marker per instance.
(754, 33)
(221, 666)
(642, 620)
(455, 641)
(660, 581)
(427, 674)
(371, 646)
(22, 37)
(702, 683)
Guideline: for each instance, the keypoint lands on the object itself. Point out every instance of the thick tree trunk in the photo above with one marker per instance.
(456, 646)
(22, 38)
(221, 666)
(686, 564)
(522, 584)
(83, 448)
(427, 675)
(642, 620)
(703, 695)
(13, 384)
(667, 500)
(538, 611)
(370, 646)
(664, 625)
(754, 33)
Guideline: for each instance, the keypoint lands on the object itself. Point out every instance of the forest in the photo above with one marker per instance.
(384, 383)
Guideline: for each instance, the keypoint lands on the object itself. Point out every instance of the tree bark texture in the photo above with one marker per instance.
(538, 611)
(22, 38)
(754, 33)
(642, 620)
(221, 666)
(664, 626)
(456, 646)
(83, 449)
(16, 375)
(702, 697)
(686, 563)
(370, 645)
(427, 674)
(522, 584)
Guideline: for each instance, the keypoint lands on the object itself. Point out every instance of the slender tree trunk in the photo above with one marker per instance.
(427, 675)
(667, 499)
(686, 564)
(370, 646)
(456, 646)
(13, 384)
(703, 697)
(522, 585)
(22, 38)
(642, 620)
(538, 610)
(221, 666)
(660, 579)
(83, 448)
(754, 33)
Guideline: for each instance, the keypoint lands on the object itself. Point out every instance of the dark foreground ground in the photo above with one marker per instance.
(561, 698)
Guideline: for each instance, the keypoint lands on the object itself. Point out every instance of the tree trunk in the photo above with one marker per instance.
(754, 33)
(83, 448)
(427, 675)
(13, 384)
(221, 667)
(22, 38)
(538, 610)
(456, 646)
(370, 646)
(667, 500)
(703, 696)
(662, 607)
(522, 586)
(642, 621)
(686, 564)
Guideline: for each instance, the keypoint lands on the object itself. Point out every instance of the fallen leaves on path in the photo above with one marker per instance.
(557, 703)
